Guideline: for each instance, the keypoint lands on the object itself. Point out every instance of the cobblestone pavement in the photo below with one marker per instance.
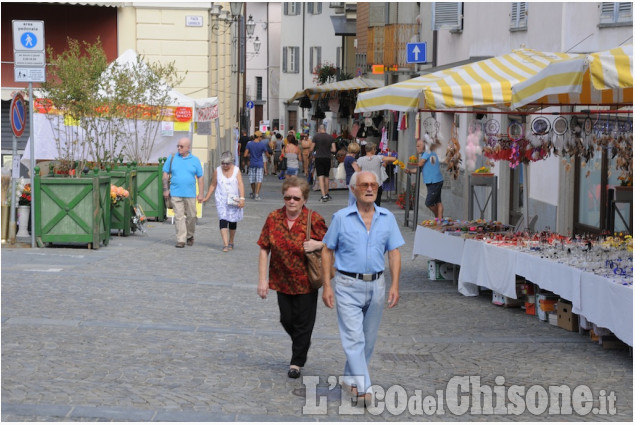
(142, 331)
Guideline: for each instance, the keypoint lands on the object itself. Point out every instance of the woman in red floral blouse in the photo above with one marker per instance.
(284, 238)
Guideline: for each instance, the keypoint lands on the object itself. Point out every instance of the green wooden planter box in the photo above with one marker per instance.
(150, 190)
(72, 209)
(120, 215)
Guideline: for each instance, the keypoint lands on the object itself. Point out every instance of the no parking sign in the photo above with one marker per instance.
(17, 112)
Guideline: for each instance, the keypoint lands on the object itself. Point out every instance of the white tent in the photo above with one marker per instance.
(203, 110)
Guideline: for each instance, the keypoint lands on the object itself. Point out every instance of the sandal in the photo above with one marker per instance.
(230, 246)
(293, 373)
(225, 248)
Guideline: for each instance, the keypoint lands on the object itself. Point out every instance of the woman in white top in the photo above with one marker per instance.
(373, 163)
(292, 152)
(230, 198)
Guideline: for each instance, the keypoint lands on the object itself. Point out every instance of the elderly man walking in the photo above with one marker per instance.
(185, 169)
(359, 236)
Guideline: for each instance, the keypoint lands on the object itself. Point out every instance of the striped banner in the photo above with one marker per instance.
(483, 83)
(602, 78)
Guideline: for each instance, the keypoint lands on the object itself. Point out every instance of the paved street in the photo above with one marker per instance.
(142, 331)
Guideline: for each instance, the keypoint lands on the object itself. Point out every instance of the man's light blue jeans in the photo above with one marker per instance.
(360, 305)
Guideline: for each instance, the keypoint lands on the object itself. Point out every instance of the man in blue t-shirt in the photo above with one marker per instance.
(431, 175)
(255, 150)
(185, 169)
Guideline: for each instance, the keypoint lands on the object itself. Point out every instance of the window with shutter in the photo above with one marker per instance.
(338, 57)
(290, 8)
(616, 13)
(519, 15)
(309, 8)
(298, 8)
(296, 59)
(285, 51)
(447, 16)
(318, 8)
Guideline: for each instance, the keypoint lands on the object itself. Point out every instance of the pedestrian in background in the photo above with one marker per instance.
(283, 246)
(374, 163)
(185, 170)
(256, 150)
(292, 152)
(324, 147)
(242, 145)
(360, 236)
(431, 175)
(227, 182)
(307, 146)
(350, 166)
(279, 143)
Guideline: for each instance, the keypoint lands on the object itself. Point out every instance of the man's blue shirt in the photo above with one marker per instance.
(431, 172)
(256, 149)
(356, 249)
(184, 174)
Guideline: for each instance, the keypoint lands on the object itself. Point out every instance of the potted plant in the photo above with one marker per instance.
(76, 206)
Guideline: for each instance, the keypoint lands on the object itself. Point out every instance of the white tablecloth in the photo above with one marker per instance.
(438, 246)
(598, 299)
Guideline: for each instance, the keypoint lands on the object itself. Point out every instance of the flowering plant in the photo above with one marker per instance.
(399, 164)
(413, 159)
(117, 193)
(401, 200)
(25, 196)
(324, 73)
(482, 170)
(22, 192)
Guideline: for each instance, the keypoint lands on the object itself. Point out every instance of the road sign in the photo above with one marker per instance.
(250, 105)
(28, 36)
(29, 75)
(28, 52)
(416, 52)
(17, 113)
(29, 59)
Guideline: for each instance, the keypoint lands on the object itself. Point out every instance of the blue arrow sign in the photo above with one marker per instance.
(416, 52)
(250, 105)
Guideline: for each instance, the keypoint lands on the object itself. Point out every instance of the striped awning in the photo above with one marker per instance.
(357, 83)
(484, 83)
(602, 78)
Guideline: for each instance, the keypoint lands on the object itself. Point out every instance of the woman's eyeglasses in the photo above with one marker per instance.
(295, 198)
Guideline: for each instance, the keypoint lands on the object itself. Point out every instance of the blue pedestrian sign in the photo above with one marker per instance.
(416, 52)
(28, 40)
(250, 105)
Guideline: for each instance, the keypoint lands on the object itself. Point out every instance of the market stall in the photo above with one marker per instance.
(588, 277)
(601, 292)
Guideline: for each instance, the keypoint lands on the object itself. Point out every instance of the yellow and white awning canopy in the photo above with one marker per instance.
(357, 83)
(602, 78)
(484, 83)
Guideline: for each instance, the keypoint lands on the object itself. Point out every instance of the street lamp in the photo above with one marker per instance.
(251, 25)
(257, 45)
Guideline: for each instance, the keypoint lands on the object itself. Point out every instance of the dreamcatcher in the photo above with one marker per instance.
(431, 127)
(473, 148)
(453, 154)
(559, 127)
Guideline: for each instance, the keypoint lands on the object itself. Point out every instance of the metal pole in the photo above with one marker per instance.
(32, 150)
(12, 225)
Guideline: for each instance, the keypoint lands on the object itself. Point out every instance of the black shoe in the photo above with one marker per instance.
(328, 196)
(293, 373)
